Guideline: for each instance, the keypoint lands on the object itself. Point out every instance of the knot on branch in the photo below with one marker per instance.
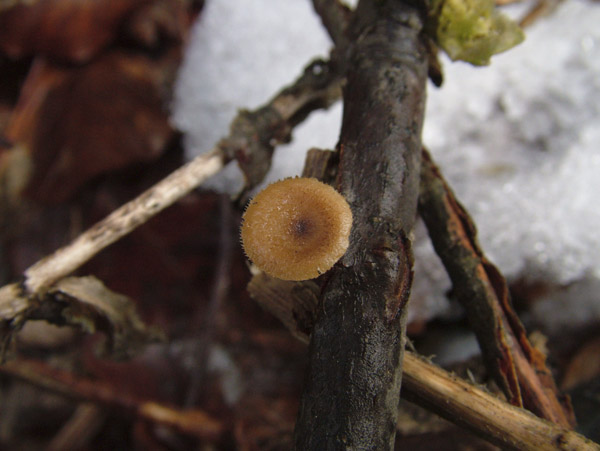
(252, 140)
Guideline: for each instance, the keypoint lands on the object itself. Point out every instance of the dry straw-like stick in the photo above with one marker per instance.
(426, 384)
(19, 301)
(123, 220)
(487, 416)
(252, 139)
(255, 133)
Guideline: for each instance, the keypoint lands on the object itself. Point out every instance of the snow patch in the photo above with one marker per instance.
(519, 140)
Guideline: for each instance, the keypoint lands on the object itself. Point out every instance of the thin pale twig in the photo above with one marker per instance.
(193, 422)
(251, 141)
(122, 221)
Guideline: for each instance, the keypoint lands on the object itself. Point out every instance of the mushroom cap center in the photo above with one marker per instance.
(296, 229)
(301, 227)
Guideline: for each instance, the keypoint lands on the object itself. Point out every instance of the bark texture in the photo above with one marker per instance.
(519, 369)
(459, 401)
(356, 349)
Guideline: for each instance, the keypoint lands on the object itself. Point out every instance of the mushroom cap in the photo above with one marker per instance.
(296, 229)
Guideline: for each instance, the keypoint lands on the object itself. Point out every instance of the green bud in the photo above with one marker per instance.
(473, 30)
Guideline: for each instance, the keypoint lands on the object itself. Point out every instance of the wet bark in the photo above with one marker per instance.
(356, 349)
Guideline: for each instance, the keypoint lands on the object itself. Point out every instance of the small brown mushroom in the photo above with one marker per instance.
(296, 229)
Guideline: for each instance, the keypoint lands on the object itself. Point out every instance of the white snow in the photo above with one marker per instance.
(241, 53)
(520, 143)
(519, 140)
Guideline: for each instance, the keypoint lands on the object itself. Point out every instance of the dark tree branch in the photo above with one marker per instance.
(458, 401)
(518, 368)
(254, 134)
(353, 384)
(335, 17)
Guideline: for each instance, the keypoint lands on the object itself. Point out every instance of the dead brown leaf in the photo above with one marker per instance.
(72, 30)
(84, 302)
(88, 303)
(79, 123)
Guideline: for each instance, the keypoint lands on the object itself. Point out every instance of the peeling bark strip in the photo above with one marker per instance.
(353, 384)
(518, 368)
